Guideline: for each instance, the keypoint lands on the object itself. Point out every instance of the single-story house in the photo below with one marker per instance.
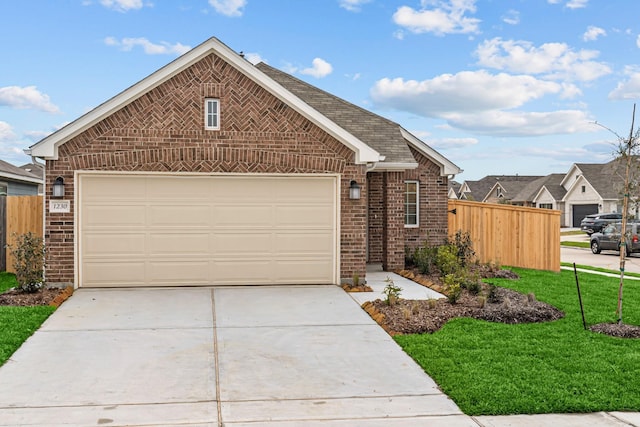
(215, 171)
(18, 181)
(494, 188)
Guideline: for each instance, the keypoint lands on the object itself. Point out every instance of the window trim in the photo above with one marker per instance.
(207, 102)
(417, 203)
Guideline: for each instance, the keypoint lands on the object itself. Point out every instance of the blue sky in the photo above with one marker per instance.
(498, 87)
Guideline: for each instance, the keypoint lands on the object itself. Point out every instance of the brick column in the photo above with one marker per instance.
(393, 231)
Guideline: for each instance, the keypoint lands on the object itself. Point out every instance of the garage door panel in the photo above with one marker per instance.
(179, 243)
(207, 230)
(101, 272)
(105, 244)
(182, 215)
(178, 273)
(303, 215)
(121, 215)
(243, 215)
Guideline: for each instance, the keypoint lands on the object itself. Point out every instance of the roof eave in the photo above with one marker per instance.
(447, 167)
(390, 167)
(47, 148)
(21, 178)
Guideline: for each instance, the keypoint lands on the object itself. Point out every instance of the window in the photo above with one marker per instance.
(545, 205)
(583, 189)
(3, 189)
(411, 203)
(212, 114)
(499, 192)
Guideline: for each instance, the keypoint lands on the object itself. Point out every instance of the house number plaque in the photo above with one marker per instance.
(59, 206)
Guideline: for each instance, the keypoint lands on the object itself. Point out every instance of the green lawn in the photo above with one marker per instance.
(575, 244)
(554, 367)
(17, 323)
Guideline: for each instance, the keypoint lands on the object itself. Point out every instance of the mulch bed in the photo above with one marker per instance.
(503, 305)
(48, 296)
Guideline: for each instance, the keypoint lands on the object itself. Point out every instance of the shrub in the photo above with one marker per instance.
(391, 292)
(452, 287)
(471, 281)
(425, 258)
(28, 255)
(461, 241)
(447, 259)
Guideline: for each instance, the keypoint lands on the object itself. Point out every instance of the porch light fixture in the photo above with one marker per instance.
(58, 188)
(354, 191)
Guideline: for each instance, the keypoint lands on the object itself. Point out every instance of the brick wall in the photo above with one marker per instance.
(433, 204)
(163, 130)
(376, 216)
(393, 229)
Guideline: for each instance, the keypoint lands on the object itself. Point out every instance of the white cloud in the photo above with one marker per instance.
(593, 33)
(447, 17)
(162, 48)
(6, 132)
(512, 17)
(254, 58)
(451, 143)
(122, 5)
(320, 68)
(466, 91)
(28, 97)
(553, 60)
(576, 4)
(482, 102)
(571, 4)
(520, 123)
(629, 88)
(228, 7)
(352, 5)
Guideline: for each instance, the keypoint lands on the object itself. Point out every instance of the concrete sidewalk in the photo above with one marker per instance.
(236, 356)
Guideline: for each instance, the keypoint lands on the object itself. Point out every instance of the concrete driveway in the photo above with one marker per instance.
(235, 356)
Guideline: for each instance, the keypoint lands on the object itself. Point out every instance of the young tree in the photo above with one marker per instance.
(626, 152)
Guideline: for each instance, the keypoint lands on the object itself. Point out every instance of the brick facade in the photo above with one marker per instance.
(163, 131)
(386, 229)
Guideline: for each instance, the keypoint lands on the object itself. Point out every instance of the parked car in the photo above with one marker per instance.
(595, 222)
(609, 238)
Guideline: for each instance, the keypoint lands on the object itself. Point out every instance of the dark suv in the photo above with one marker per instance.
(609, 238)
(595, 222)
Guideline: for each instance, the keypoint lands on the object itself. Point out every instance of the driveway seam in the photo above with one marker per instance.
(215, 357)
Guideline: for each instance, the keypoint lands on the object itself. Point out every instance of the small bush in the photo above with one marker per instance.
(461, 241)
(425, 259)
(471, 282)
(447, 259)
(452, 287)
(391, 292)
(28, 255)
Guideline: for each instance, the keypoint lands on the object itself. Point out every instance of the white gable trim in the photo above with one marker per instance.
(47, 148)
(569, 174)
(579, 182)
(447, 168)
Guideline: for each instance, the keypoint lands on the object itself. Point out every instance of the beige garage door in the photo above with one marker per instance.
(185, 230)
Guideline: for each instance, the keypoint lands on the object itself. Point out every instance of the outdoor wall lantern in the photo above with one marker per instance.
(354, 191)
(58, 187)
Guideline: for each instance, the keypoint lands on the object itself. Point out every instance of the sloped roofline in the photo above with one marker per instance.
(581, 179)
(446, 166)
(568, 174)
(47, 148)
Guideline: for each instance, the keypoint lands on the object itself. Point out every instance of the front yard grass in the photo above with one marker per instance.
(556, 367)
(17, 323)
(575, 244)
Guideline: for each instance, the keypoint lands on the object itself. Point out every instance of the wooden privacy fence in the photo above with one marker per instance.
(19, 215)
(509, 235)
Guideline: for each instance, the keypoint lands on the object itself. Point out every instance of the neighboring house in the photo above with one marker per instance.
(15, 181)
(454, 189)
(35, 169)
(215, 171)
(592, 188)
(494, 188)
(530, 195)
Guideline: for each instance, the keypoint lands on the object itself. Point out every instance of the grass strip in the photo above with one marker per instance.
(575, 244)
(554, 367)
(599, 269)
(17, 323)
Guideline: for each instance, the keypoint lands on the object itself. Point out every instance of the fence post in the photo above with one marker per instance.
(3, 233)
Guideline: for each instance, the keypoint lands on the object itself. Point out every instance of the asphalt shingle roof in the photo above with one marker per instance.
(8, 168)
(379, 133)
(551, 182)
